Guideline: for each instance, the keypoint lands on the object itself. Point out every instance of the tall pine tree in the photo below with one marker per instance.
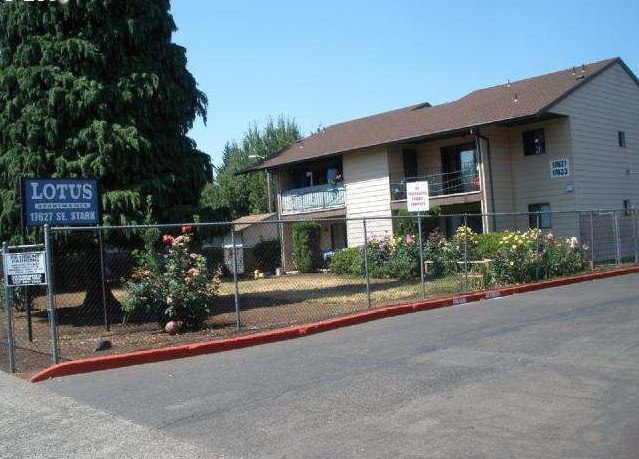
(96, 89)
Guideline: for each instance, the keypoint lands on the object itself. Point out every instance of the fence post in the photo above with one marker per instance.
(104, 304)
(235, 281)
(421, 255)
(592, 240)
(465, 252)
(8, 314)
(615, 224)
(537, 264)
(634, 235)
(53, 322)
(368, 280)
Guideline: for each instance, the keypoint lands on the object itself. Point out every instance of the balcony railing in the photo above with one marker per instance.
(313, 198)
(465, 180)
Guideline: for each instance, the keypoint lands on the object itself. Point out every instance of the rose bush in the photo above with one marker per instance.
(178, 287)
(516, 256)
(530, 256)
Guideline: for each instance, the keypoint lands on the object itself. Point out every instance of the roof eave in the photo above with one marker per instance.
(430, 136)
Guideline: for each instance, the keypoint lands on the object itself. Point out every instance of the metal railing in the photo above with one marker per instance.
(313, 198)
(465, 180)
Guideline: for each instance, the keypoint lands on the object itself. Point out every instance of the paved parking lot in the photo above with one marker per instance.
(546, 374)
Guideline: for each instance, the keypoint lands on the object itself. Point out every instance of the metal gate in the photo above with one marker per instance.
(28, 308)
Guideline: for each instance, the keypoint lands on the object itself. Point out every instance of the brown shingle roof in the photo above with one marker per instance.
(247, 220)
(534, 96)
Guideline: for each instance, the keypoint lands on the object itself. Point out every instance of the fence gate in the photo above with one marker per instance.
(28, 307)
(605, 243)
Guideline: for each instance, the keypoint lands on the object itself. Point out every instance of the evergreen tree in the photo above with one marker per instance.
(96, 89)
(246, 194)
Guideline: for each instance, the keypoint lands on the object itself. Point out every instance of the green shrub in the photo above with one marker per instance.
(442, 253)
(178, 289)
(408, 224)
(393, 258)
(561, 258)
(530, 256)
(348, 261)
(268, 255)
(306, 246)
(486, 245)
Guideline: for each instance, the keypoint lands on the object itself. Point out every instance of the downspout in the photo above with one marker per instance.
(490, 175)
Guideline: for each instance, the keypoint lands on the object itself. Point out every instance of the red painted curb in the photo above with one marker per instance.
(210, 347)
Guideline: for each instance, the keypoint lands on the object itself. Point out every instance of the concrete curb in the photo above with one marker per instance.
(210, 347)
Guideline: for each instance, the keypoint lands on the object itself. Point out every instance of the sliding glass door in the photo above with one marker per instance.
(459, 169)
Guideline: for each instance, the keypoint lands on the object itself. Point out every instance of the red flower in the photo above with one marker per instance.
(167, 239)
(187, 229)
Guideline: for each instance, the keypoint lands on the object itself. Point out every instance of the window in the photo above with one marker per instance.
(622, 138)
(627, 208)
(534, 142)
(541, 213)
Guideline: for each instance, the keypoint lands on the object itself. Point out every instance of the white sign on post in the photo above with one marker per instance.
(26, 268)
(417, 197)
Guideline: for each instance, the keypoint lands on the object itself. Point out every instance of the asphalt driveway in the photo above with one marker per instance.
(553, 373)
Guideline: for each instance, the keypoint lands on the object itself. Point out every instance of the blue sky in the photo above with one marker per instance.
(326, 62)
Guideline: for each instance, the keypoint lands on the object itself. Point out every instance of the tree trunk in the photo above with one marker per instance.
(98, 298)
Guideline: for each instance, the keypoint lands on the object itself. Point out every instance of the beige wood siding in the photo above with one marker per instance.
(598, 110)
(367, 193)
(532, 183)
(498, 158)
(395, 161)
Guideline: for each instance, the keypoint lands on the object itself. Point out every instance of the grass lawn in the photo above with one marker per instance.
(328, 288)
(264, 303)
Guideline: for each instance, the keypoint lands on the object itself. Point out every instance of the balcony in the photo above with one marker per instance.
(440, 184)
(312, 198)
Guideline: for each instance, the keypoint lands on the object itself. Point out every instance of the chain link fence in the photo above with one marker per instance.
(122, 289)
(27, 320)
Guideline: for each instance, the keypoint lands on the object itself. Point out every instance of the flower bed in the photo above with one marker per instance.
(515, 257)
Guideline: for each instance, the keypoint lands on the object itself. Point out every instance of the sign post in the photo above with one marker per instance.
(53, 322)
(8, 313)
(25, 265)
(418, 200)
